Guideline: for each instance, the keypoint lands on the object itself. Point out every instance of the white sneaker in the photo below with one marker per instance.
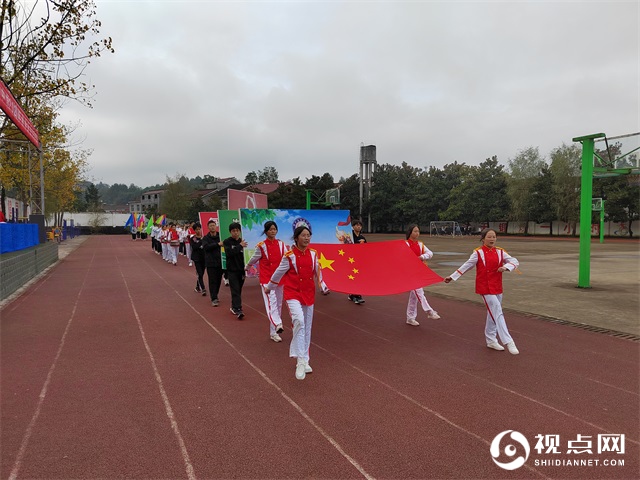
(307, 368)
(433, 315)
(279, 328)
(511, 346)
(191, 264)
(276, 338)
(412, 321)
(300, 370)
(495, 346)
(226, 282)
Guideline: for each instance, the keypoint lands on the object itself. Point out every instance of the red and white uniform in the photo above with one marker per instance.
(173, 236)
(268, 255)
(298, 271)
(188, 234)
(489, 286)
(417, 295)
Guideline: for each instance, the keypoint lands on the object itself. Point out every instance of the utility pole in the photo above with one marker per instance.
(367, 168)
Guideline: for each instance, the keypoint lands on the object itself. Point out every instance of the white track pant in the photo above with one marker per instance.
(173, 254)
(165, 251)
(302, 318)
(495, 320)
(412, 307)
(273, 306)
(187, 247)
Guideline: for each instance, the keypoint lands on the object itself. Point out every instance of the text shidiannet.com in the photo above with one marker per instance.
(511, 450)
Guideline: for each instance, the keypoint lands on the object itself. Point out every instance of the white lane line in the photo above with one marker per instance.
(43, 393)
(420, 405)
(163, 393)
(538, 402)
(266, 378)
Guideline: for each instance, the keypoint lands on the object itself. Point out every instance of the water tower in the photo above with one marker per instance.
(367, 167)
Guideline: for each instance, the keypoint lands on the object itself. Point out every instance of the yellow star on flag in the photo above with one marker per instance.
(341, 252)
(351, 260)
(325, 262)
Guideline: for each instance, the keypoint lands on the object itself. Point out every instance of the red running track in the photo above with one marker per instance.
(113, 367)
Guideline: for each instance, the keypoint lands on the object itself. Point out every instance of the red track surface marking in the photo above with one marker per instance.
(386, 400)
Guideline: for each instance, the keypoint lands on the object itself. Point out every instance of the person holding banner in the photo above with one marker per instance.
(268, 255)
(491, 262)
(197, 257)
(213, 260)
(234, 251)
(358, 238)
(417, 295)
(299, 268)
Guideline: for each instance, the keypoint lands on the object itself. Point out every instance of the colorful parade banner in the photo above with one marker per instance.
(327, 226)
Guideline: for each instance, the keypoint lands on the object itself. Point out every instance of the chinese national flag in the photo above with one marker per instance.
(380, 268)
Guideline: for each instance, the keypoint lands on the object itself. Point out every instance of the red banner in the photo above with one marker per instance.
(379, 268)
(237, 199)
(204, 220)
(10, 106)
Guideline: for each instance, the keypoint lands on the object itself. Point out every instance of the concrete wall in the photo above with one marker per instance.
(17, 268)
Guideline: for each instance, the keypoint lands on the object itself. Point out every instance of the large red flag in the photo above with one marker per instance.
(379, 268)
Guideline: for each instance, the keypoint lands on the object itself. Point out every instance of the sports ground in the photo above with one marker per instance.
(113, 367)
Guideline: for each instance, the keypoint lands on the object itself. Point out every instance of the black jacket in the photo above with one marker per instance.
(197, 252)
(357, 238)
(212, 251)
(235, 254)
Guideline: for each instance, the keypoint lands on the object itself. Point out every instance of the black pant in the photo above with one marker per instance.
(236, 281)
(200, 272)
(215, 279)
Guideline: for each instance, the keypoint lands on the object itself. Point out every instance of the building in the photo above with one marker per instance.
(148, 201)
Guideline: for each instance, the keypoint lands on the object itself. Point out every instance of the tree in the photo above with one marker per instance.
(288, 195)
(175, 199)
(565, 186)
(524, 169)
(92, 198)
(268, 175)
(45, 59)
(62, 168)
(350, 195)
(251, 178)
(481, 195)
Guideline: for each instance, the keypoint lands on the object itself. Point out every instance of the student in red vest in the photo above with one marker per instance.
(268, 255)
(417, 295)
(298, 270)
(491, 262)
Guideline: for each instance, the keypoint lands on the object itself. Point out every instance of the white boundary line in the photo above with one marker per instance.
(163, 393)
(266, 378)
(45, 387)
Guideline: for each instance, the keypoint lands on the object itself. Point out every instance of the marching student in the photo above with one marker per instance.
(211, 245)
(164, 242)
(417, 295)
(234, 252)
(491, 262)
(197, 257)
(189, 233)
(356, 228)
(298, 270)
(268, 255)
(174, 243)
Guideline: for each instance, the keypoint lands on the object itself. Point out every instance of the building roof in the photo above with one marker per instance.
(264, 188)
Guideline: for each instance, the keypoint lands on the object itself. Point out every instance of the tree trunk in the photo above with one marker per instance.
(630, 231)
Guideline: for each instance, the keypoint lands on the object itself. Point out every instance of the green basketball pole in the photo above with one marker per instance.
(602, 223)
(586, 192)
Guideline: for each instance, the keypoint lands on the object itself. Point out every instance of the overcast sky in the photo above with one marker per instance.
(225, 88)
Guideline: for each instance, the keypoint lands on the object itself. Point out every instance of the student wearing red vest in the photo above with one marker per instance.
(417, 295)
(298, 271)
(491, 262)
(268, 255)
